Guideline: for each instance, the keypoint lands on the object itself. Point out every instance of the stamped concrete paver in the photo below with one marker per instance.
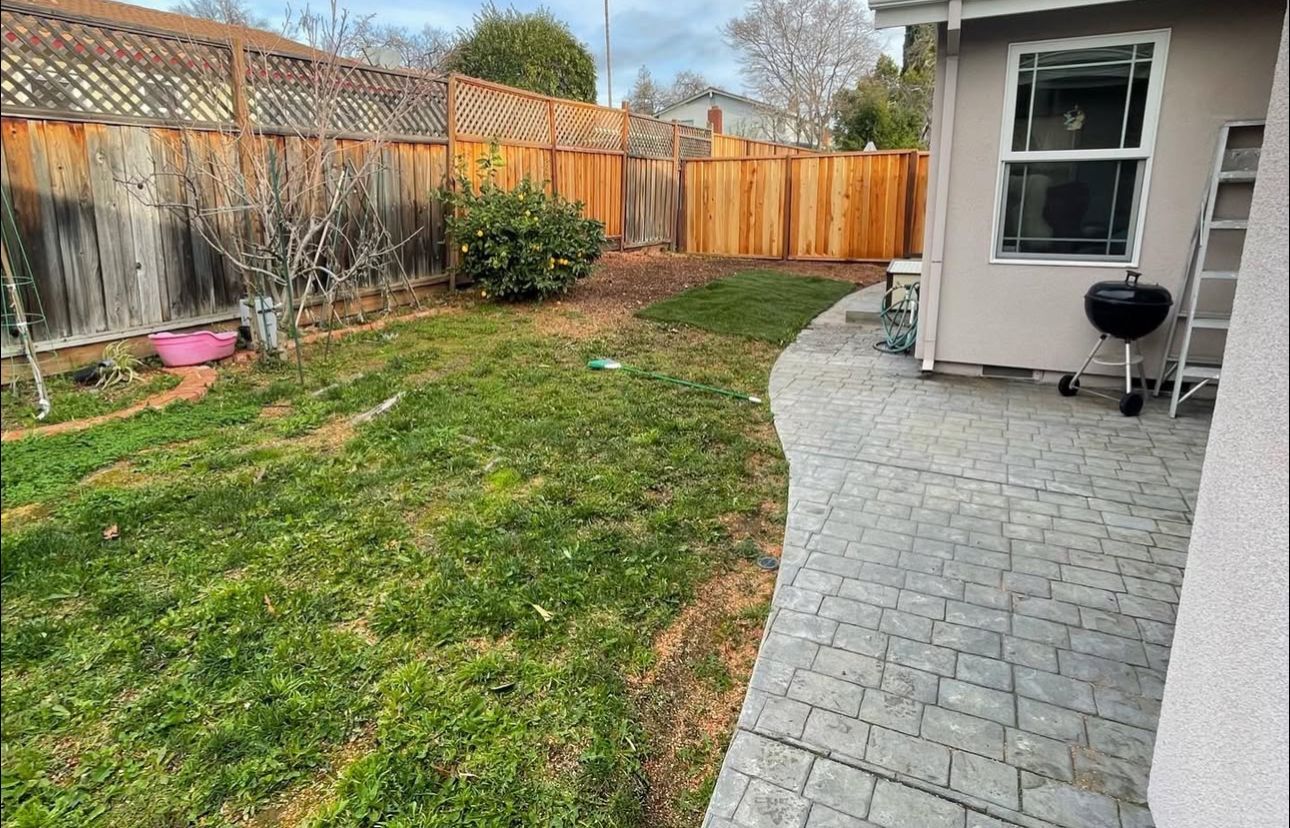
(975, 603)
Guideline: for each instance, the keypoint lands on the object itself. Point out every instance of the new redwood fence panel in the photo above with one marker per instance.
(838, 206)
(734, 206)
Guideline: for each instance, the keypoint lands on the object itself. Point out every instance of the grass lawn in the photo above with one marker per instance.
(73, 402)
(760, 304)
(523, 596)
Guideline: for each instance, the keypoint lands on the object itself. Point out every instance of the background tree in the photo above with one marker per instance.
(645, 94)
(390, 45)
(534, 51)
(796, 55)
(233, 12)
(686, 84)
(891, 106)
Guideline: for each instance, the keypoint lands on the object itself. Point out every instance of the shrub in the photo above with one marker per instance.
(521, 243)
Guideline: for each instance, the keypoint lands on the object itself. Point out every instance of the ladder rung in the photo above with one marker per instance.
(1200, 372)
(1211, 322)
(1236, 176)
(1229, 224)
(1219, 275)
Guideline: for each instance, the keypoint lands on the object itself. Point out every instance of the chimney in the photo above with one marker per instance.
(714, 119)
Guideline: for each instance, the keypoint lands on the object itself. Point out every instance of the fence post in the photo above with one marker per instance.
(788, 206)
(676, 189)
(450, 119)
(911, 203)
(242, 121)
(555, 155)
(622, 239)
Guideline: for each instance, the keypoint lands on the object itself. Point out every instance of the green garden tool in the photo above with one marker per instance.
(615, 365)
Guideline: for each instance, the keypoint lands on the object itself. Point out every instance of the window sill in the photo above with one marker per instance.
(1118, 265)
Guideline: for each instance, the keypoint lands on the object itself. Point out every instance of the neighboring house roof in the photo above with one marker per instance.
(888, 13)
(110, 11)
(709, 92)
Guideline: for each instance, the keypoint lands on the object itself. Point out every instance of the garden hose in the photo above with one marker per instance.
(615, 365)
(899, 320)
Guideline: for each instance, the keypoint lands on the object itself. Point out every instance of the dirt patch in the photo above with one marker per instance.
(28, 512)
(690, 699)
(298, 804)
(623, 283)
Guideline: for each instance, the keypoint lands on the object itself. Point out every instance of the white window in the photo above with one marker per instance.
(1079, 127)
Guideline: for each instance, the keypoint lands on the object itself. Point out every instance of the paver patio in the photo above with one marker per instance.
(973, 614)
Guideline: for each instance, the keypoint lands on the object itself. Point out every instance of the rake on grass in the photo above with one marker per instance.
(615, 365)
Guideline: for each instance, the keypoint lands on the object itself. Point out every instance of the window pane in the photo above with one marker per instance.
(1082, 209)
(1137, 105)
(1075, 57)
(1079, 108)
(1021, 116)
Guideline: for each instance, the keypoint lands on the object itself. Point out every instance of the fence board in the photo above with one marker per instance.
(33, 205)
(63, 149)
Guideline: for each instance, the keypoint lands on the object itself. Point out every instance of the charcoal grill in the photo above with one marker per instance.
(1128, 311)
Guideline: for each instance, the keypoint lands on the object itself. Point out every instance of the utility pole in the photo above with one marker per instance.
(609, 63)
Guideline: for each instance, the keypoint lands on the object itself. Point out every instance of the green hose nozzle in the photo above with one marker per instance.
(614, 365)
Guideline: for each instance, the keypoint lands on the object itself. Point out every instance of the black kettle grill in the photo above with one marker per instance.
(1125, 310)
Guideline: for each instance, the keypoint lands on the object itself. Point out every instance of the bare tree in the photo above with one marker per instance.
(797, 54)
(233, 12)
(686, 84)
(390, 45)
(298, 219)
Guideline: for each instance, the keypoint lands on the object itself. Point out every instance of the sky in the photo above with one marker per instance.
(665, 35)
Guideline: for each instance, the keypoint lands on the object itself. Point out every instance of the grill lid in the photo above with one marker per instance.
(1129, 292)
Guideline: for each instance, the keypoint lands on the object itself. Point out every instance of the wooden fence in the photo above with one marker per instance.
(90, 105)
(831, 207)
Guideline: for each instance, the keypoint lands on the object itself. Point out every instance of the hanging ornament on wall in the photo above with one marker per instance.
(1073, 119)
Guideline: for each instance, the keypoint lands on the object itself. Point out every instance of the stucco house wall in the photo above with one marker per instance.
(1219, 68)
(1221, 750)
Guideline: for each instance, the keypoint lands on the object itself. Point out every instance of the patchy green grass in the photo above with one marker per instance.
(433, 618)
(759, 304)
(73, 402)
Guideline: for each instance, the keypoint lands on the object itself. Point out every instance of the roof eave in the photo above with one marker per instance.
(890, 13)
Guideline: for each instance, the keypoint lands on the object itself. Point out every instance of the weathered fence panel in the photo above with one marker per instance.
(735, 206)
(651, 201)
(837, 206)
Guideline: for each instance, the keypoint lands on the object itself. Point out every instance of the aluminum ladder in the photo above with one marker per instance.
(1236, 162)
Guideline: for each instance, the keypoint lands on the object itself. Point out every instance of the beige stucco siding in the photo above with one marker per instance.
(1219, 68)
(1221, 754)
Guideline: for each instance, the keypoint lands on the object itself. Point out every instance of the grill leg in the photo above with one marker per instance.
(1128, 367)
(1142, 374)
(1091, 354)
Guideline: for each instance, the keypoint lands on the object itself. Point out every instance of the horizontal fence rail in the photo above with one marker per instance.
(831, 207)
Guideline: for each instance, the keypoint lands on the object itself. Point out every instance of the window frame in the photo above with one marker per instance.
(1144, 152)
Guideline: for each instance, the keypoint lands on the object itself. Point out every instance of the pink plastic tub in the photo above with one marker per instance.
(193, 348)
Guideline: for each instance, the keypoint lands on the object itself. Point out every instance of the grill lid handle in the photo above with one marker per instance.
(1131, 277)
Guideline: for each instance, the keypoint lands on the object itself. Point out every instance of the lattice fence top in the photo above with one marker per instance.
(648, 138)
(695, 142)
(286, 93)
(49, 64)
(495, 113)
(588, 126)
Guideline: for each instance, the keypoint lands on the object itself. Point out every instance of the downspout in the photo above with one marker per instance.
(931, 289)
